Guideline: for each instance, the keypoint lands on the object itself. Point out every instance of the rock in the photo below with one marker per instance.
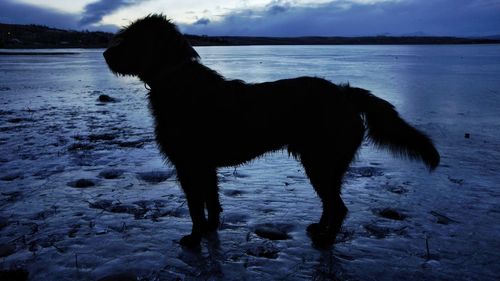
(380, 232)
(7, 250)
(233, 192)
(123, 208)
(155, 176)
(397, 189)
(106, 98)
(11, 177)
(17, 120)
(127, 276)
(3, 222)
(377, 231)
(14, 275)
(101, 204)
(82, 183)
(101, 137)
(442, 219)
(12, 196)
(431, 264)
(272, 231)
(110, 174)
(392, 214)
(456, 181)
(267, 251)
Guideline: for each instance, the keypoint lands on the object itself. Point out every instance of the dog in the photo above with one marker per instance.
(204, 122)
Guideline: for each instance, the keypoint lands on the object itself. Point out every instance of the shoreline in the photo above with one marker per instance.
(15, 50)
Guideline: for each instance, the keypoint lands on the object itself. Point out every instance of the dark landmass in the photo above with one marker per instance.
(14, 36)
(27, 53)
(336, 40)
(18, 36)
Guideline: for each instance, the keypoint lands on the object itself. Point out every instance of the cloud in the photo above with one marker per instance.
(277, 7)
(18, 13)
(202, 21)
(23, 13)
(356, 18)
(290, 18)
(94, 12)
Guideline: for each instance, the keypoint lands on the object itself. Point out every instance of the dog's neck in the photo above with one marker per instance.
(154, 80)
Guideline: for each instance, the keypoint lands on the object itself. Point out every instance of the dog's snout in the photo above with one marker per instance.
(106, 54)
(115, 42)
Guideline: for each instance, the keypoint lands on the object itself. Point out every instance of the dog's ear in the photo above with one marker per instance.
(174, 44)
(182, 46)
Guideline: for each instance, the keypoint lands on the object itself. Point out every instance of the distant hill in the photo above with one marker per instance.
(37, 36)
(319, 40)
(494, 37)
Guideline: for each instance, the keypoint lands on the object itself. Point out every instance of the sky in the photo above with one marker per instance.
(269, 17)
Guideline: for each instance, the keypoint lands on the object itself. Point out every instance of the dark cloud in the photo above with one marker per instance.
(282, 18)
(21, 13)
(94, 12)
(344, 18)
(202, 21)
(17, 13)
(277, 7)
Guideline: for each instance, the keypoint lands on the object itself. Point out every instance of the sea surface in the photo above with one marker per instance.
(85, 194)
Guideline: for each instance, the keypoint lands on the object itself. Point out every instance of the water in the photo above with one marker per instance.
(54, 131)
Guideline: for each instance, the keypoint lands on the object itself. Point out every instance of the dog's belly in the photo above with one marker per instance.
(239, 153)
(217, 149)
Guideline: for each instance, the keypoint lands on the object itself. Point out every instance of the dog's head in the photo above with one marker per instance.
(148, 46)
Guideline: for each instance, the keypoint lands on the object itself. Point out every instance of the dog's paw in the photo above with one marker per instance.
(191, 241)
(323, 240)
(315, 228)
(321, 236)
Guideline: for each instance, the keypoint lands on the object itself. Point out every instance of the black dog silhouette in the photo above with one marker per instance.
(204, 122)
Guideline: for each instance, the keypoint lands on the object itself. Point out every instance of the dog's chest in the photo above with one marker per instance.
(179, 116)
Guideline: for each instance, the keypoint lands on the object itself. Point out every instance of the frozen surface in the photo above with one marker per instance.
(85, 193)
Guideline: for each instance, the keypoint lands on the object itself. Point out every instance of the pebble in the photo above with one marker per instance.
(7, 250)
(127, 276)
(392, 214)
(155, 176)
(271, 232)
(110, 174)
(106, 98)
(82, 183)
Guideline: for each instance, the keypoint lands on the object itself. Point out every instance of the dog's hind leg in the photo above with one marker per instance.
(198, 184)
(325, 164)
(326, 180)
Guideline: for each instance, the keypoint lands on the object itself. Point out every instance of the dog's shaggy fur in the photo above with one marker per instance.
(204, 122)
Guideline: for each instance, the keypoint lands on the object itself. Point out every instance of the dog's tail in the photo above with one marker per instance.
(388, 130)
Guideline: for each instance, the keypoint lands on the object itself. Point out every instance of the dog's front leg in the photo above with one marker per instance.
(214, 208)
(198, 184)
